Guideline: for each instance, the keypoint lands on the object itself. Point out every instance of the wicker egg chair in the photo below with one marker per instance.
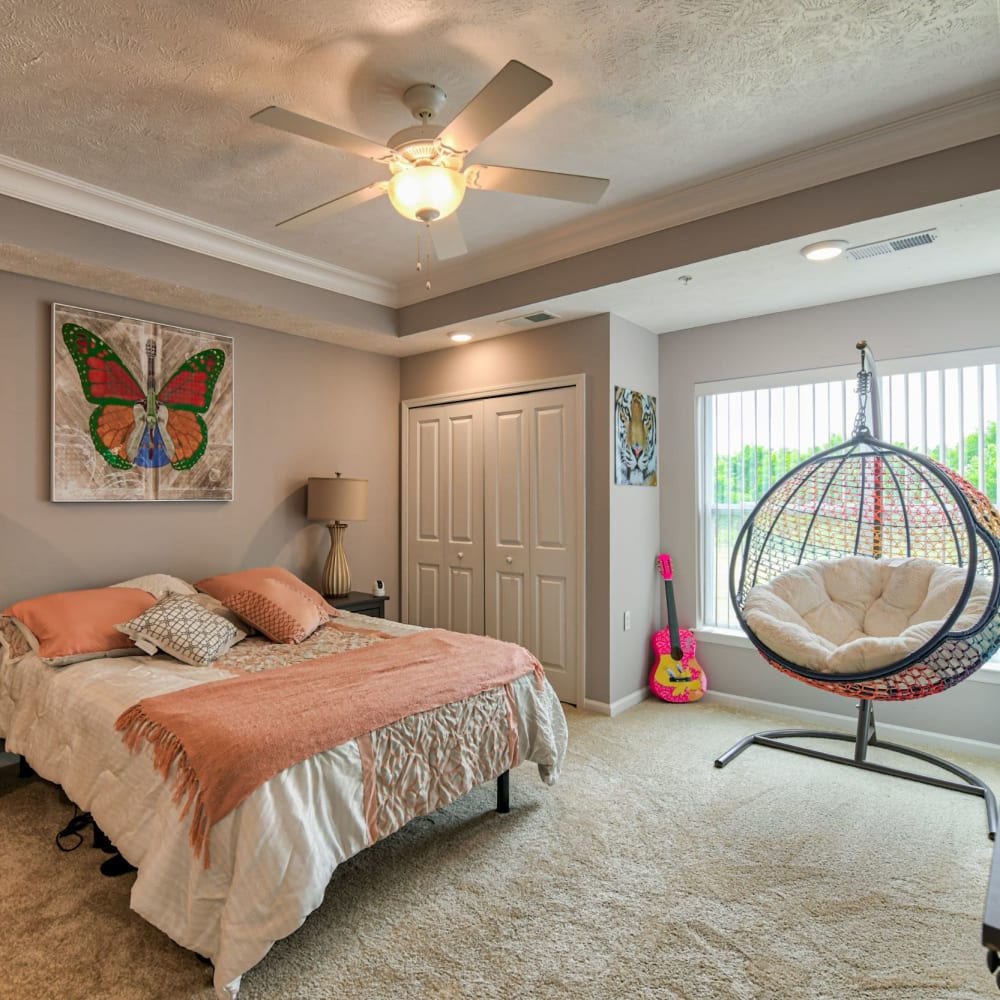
(872, 572)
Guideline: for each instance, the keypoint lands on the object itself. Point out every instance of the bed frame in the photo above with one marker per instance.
(503, 784)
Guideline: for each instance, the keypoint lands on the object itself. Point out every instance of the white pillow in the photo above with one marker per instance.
(181, 626)
(159, 584)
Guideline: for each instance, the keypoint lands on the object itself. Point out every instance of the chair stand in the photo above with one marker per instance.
(864, 738)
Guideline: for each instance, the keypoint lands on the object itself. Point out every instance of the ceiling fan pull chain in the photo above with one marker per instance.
(419, 251)
(427, 256)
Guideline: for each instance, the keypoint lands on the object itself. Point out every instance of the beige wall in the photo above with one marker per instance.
(302, 408)
(949, 317)
(635, 530)
(564, 349)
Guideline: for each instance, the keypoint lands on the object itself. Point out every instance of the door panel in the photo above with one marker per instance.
(556, 485)
(444, 480)
(531, 499)
(551, 614)
(509, 613)
(551, 463)
(462, 488)
(465, 594)
(425, 519)
(508, 471)
(424, 594)
(506, 498)
(461, 483)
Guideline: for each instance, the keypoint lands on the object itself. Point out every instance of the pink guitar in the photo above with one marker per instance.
(676, 676)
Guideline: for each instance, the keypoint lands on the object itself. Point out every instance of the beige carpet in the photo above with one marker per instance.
(645, 873)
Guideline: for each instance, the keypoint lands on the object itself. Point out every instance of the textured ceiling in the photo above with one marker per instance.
(152, 100)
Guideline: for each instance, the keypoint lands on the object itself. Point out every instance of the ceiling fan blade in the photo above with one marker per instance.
(446, 235)
(309, 128)
(512, 89)
(334, 207)
(541, 183)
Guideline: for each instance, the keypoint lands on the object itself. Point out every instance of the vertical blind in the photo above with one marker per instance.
(751, 433)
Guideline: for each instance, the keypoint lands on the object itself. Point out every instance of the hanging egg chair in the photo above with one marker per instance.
(873, 572)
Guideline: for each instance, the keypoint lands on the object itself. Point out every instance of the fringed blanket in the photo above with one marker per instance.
(227, 738)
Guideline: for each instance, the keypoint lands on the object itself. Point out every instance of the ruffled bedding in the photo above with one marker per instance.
(273, 855)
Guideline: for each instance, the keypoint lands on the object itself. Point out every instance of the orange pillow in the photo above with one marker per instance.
(225, 585)
(79, 625)
(282, 613)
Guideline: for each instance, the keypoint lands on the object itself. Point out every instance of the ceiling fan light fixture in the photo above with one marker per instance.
(426, 193)
(824, 250)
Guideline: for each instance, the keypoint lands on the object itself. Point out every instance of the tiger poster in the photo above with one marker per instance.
(635, 438)
(140, 410)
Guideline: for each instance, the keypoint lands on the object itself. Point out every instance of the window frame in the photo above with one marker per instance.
(705, 455)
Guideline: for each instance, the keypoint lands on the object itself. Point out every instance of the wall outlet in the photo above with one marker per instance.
(627, 623)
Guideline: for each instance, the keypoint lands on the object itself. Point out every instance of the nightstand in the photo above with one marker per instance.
(361, 603)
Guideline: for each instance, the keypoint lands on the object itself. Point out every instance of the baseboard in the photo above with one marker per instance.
(615, 707)
(901, 734)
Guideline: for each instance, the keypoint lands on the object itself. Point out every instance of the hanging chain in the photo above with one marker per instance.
(864, 388)
(424, 254)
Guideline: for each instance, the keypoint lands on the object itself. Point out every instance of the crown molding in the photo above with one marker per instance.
(96, 204)
(918, 135)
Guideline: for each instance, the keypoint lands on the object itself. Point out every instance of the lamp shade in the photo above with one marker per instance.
(427, 192)
(337, 499)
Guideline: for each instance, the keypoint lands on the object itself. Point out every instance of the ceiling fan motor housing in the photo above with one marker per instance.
(424, 101)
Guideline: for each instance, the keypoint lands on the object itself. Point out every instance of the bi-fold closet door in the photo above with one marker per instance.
(494, 502)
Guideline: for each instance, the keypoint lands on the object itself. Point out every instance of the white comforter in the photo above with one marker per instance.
(270, 864)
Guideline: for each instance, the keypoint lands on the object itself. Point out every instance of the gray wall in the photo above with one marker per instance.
(564, 349)
(949, 317)
(302, 408)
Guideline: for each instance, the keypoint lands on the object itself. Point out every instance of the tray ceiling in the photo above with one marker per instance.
(152, 102)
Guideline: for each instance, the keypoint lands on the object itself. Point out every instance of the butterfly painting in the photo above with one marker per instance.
(133, 425)
(148, 420)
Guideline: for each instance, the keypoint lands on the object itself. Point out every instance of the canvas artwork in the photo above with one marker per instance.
(140, 410)
(635, 438)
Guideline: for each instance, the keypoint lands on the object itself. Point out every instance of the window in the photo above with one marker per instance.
(753, 431)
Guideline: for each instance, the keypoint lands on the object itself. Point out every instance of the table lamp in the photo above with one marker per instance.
(336, 501)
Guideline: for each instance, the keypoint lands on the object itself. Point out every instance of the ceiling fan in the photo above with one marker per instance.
(426, 161)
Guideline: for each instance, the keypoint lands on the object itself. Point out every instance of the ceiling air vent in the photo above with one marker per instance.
(866, 250)
(529, 319)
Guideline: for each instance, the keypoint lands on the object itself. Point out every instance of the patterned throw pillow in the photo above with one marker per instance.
(13, 642)
(180, 626)
(282, 613)
(223, 587)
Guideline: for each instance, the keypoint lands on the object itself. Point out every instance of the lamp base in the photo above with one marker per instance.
(336, 575)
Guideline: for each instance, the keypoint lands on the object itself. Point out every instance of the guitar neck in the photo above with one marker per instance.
(675, 632)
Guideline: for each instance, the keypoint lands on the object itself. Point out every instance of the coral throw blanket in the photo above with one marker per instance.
(227, 738)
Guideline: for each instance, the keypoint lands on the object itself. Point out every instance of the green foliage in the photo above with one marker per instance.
(745, 476)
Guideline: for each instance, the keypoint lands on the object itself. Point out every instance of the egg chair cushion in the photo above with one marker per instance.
(856, 614)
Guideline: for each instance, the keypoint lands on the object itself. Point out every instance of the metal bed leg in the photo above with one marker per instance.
(864, 738)
(503, 792)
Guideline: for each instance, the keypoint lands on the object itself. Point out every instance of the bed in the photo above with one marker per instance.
(261, 868)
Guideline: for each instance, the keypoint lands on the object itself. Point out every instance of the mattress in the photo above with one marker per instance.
(271, 857)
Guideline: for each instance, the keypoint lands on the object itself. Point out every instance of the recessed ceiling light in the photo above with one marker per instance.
(460, 338)
(824, 250)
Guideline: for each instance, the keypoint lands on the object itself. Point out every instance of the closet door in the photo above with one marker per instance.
(445, 517)
(532, 494)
